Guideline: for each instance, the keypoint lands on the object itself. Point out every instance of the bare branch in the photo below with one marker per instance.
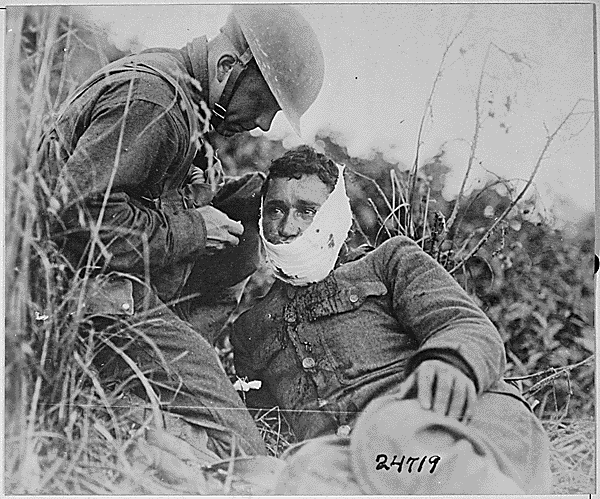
(426, 111)
(500, 181)
(474, 143)
(382, 222)
(558, 372)
(379, 189)
(514, 57)
(538, 163)
(575, 134)
(551, 370)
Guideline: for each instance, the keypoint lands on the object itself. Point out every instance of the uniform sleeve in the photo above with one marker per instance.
(151, 141)
(445, 322)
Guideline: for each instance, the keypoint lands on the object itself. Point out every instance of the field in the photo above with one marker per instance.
(67, 431)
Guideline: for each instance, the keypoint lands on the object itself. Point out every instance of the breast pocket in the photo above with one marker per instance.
(360, 335)
(354, 297)
(348, 298)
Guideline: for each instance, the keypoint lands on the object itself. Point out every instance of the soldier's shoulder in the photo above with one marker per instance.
(388, 247)
(397, 242)
(155, 76)
(380, 256)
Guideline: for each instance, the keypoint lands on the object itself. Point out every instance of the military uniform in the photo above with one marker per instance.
(121, 151)
(325, 351)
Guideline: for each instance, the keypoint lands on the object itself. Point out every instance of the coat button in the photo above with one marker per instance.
(343, 431)
(353, 297)
(308, 363)
(125, 306)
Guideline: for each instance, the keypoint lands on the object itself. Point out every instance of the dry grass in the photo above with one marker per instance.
(573, 455)
(66, 430)
(274, 430)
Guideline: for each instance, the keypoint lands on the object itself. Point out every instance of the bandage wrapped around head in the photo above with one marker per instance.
(311, 256)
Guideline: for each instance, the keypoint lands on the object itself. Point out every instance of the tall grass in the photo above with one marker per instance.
(68, 430)
(57, 410)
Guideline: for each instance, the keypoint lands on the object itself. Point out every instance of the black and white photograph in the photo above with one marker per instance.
(300, 249)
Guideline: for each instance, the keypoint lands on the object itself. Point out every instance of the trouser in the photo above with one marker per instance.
(504, 433)
(184, 370)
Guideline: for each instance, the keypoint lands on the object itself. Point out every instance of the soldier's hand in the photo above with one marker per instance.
(442, 388)
(221, 231)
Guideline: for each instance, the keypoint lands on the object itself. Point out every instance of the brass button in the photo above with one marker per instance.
(353, 297)
(343, 431)
(308, 363)
(125, 306)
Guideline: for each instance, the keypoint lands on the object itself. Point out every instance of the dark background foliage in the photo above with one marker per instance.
(62, 432)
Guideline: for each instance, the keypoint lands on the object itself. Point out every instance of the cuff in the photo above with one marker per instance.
(447, 356)
(188, 234)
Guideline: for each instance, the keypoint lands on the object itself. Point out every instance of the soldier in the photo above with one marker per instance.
(142, 214)
(342, 348)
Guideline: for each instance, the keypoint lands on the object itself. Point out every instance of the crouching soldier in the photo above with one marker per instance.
(143, 216)
(380, 364)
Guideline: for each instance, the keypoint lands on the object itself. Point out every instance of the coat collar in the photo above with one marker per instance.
(195, 56)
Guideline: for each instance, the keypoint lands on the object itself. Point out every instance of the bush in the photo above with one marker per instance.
(63, 433)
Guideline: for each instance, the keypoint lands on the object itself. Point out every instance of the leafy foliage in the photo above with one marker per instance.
(68, 432)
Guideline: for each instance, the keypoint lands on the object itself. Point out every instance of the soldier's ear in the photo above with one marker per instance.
(224, 66)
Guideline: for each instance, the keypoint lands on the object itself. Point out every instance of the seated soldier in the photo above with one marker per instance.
(382, 357)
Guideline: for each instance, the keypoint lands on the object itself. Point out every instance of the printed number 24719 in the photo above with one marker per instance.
(382, 460)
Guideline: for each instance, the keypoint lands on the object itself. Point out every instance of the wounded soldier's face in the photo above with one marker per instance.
(290, 205)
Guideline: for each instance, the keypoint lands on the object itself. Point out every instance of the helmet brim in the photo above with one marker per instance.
(288, 55)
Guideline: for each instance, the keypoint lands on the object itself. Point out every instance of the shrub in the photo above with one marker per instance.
(63, 432)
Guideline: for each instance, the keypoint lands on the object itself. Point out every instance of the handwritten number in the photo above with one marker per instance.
(434, 460)
(381, 465)
(410, 461)
(399, 464)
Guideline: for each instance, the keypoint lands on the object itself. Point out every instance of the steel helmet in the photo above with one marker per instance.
(286, 51)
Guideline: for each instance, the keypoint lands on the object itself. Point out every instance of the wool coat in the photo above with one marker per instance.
(138, 136)
(323, 352)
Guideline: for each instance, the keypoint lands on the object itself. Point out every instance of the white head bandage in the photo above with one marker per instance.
(312, 255)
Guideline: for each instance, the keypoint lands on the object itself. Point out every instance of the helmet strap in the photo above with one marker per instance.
(235, 78)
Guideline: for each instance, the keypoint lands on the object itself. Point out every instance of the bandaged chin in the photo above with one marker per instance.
(311, 256)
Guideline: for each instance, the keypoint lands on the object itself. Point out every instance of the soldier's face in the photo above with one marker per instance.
(251, 106)
(290, 205)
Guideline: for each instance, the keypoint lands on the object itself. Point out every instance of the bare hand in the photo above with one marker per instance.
(221, 231)
(442, 388)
